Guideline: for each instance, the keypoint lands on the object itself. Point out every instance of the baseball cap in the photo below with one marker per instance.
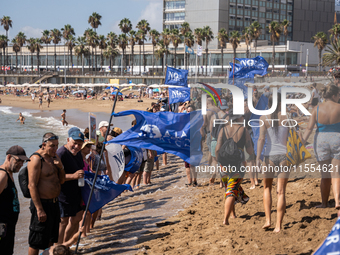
(266, 87)
(75, 134)
(117, 130)
(18, 151)
(224, 104)
(104, 124)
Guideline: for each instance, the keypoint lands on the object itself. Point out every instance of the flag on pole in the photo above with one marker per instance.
(177, 77)
(199, 50)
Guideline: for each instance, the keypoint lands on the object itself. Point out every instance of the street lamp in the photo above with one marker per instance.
(301, 56)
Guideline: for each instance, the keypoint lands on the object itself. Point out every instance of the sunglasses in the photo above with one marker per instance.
(51, 138)
(18, 159)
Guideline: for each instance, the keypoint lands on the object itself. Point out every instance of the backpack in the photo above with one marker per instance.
(23, 178)
(216, 130)
(230, 154)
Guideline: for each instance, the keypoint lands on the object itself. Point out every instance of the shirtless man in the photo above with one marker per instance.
(40, 101)
(45, 177)
(205, 130)
(48, 99)
(21, 118)
(63, 118)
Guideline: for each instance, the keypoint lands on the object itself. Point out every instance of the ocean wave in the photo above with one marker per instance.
(54, 125)
(6, 109)
(15, 111)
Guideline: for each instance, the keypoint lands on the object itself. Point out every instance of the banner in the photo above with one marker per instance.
(135, 161)
(104, 191)
(261, 105)
(239, 82)
(175, 133)
(199, 50)
(92, 127)
(116, 159)
(189, 50)
(248, 67)
(331, 245)
(177, 77)
(177, 95)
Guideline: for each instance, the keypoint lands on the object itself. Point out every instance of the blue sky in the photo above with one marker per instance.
(34, 16)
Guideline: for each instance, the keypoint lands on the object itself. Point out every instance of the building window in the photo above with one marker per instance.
(232, 6)
(174, 5)
(240, 1)
(254, 8)
(269, 16)
(269, 5)
(276, 16)
(254, 14)
(232, 17)
(262, 15)
(173, 26)
(283, 12)
(175, 16)
(283, 6)
(232, 11)
(240, 7)
(283, 17)
(247, 13)
(240, 12)
(255, 2)
(269, 10)
(231, 23)
(263, 4)
(247, 7)
(239, 18)
(253, 20)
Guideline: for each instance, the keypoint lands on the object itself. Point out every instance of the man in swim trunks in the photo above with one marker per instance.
(48, 100)
(40, 101)
(63, 118)
(45, 175)
(21, 118)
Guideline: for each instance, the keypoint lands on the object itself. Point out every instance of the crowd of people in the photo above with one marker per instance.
(55, 173)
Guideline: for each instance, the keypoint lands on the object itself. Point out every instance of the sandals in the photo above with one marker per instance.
(188, 184)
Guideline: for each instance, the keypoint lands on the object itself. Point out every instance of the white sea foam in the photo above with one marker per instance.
(53, 124)
(6, 109)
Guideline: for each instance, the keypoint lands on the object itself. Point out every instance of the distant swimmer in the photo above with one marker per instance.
(63, 118)
(21, 118)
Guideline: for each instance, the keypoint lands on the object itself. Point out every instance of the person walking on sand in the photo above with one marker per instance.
(33, 97)
(40, 101)
(326, 116)
(275, 155)
(48, 99)
(45, 176)
(63, 118)
(9, 202)
(21, 118)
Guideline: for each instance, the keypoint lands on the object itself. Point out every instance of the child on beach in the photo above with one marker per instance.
(63, 118)
(21, 118)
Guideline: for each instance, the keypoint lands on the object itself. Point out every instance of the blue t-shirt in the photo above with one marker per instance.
(70, 191)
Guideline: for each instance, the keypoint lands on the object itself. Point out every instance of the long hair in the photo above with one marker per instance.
(275, 114)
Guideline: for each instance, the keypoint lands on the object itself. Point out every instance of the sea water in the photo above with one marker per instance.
(29, 136)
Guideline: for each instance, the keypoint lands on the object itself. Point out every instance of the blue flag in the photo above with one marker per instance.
(177, 95)
(175, 133)
(332, 243)
(261, 105)
(135, 161)
(104, 191)
(177, 77)
(239, 82)
(248, 67)
(189, 50)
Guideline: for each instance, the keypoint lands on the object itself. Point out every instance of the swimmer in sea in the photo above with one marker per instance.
(21, 118)
(63, 118)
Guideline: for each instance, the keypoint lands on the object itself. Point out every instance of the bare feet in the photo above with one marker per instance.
(277, 230)
(225, 222)
(252, 187)
(233, 216)
(266, 225)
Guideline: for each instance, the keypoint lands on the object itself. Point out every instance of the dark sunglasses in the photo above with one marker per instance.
(18, 159)
(51, 138)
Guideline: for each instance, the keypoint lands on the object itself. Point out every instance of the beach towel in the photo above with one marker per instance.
(296, 151)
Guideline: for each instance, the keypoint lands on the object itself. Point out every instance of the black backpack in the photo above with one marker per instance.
(216, 130)
(230, 154)
(23, 178)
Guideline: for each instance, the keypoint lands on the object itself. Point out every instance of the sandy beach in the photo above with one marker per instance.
(169, 218)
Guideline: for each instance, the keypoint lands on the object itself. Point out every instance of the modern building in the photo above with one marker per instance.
(307, 17)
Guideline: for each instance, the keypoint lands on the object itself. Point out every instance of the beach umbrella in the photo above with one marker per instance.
(141, 85)
(124, 85)
(115, 93)
(78, 91)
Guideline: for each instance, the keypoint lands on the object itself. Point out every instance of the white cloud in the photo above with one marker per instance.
(32, 32)
(153, 13)
(115, 28)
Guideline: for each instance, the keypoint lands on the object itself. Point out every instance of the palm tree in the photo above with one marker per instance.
(80, 50)
(112, 39)
(102, 46)
(247, 36)
(71, 42)
(6, 22)
(332, 55)
(166, 41)
(111, 53)
(285, 24)
(55, 34)
(47, 40)
(335, 32)
(154, 36)
(223, 38)
(162, 49)
(92, 40)
(31, 48)
(3, 45)
(125, 25)
(38, 47)
(21, 40)
(67, 31)
(140, 41)
(185, 28)
(275, 30)
(132, 40)
(94, 21)
(123, 42)
(189, 40)
(145, 27)
(16, 49)
(234, 40)
(256, 29)
(320, 41)
(176, 39)
(199, 37)
(208, 37)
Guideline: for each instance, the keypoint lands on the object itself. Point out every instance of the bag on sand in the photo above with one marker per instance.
(23, 178)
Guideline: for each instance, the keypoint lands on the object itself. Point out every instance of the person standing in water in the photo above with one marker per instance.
(63, 118)
(21, 118)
